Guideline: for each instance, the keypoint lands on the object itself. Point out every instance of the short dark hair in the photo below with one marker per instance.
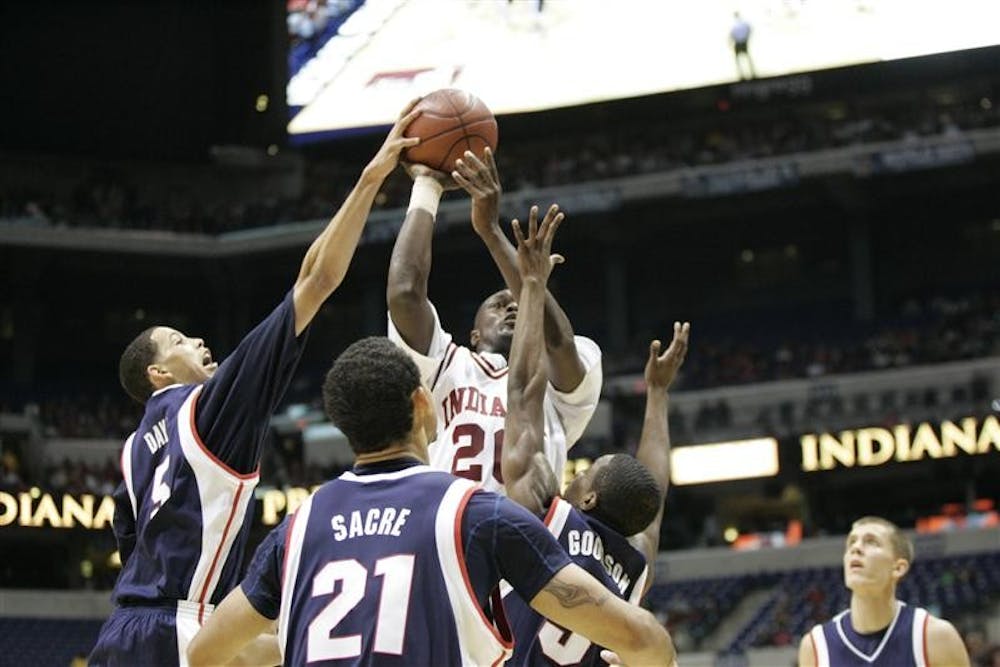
(628, 497)
(368, 392)
(136, 358)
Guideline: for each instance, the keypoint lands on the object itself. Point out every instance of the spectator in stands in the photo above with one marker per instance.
(877, 556)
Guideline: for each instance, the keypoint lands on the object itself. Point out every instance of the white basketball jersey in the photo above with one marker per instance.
(470, 395)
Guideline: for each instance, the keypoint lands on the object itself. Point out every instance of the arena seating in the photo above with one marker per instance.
(46, 641)
(950, 587)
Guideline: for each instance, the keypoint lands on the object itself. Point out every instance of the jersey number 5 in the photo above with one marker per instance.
(470, 439)
(161, 490)
(393, 606)
(562, 646)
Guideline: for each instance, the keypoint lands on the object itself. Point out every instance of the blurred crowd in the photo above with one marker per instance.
(109, 199)
(58, 477)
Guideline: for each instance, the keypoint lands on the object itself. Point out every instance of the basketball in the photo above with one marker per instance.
(452, 122)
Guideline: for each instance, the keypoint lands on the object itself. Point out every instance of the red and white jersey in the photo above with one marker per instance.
(470, 392)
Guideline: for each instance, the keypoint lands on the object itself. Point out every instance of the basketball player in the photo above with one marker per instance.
(470, 385)
(878, 629)
(181, 513)
(619, 496)
(395, 563)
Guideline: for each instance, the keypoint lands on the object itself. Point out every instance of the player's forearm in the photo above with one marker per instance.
(410, 265)
(527, 370)
(327, 260)
(504, 256)
(654, 442)
(581, 604)
(654, 645)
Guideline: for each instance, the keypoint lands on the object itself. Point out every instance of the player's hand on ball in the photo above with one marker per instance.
(387, 157)
(661, 369)
(481, 180)
(415, 169)
(534, 250)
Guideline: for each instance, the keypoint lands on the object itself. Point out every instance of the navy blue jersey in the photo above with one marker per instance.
(378, 569)
(181, 513)
(902, 644)
(603, 553)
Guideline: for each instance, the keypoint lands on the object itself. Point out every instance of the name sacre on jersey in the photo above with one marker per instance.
(376, 521)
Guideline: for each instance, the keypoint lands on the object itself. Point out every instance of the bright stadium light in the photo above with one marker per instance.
(724, 461)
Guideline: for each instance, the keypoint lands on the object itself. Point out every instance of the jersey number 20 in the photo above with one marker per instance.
(470, 439)
(393, 605)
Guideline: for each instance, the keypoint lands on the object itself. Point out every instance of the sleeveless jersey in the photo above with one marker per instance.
(836, 644)
(186, 512)
(603, 553)
(361, 587)
(470, 395)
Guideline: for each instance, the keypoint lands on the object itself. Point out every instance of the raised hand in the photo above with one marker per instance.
(387, 157)
(661, 369)
(534, 251)
(482, 181)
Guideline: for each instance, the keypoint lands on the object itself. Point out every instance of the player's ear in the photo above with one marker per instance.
(588, 501)
(424, 416)
(900, 568)
(158, 375)
(474, 338)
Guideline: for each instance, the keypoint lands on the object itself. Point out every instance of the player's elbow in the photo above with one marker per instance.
(648, 640)
(199, 652)
(405, 292)
(320, 282)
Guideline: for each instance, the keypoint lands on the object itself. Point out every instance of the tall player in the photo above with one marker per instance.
(190, 469)
(878, 629)
(469, 385)
(618, 497)
(395, 563)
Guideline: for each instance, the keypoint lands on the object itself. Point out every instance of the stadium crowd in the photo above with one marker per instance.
(108, 199)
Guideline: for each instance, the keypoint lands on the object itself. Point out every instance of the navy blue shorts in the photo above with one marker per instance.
(137, 636)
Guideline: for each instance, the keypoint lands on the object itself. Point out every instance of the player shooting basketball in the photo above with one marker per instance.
(470, 385)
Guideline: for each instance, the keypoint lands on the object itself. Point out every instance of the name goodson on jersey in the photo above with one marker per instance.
(588, 543)
(376, 521)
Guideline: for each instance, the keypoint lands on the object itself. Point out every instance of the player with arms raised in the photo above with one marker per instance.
(469, 385)
(181, 512)
(394, 563)
(618, 498)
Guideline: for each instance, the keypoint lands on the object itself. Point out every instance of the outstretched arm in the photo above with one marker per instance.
(528, 477)
(581, 604)
(480, 179)
(410, 265)
(327, 259)
(654, 443)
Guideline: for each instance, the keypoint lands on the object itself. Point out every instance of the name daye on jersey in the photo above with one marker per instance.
(156, 437)
(376, 521)
(589, 543)
(463, 399)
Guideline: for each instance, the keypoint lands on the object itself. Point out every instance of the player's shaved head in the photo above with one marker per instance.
(493, 326)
